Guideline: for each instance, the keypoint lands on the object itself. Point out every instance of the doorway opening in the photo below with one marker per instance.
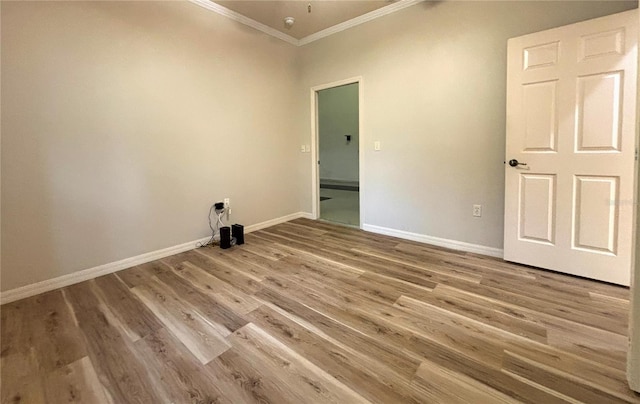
(337, 143)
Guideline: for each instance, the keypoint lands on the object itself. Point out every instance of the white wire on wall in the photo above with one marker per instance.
(214, 226)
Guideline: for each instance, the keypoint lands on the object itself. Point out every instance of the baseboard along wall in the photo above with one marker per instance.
(440, 242)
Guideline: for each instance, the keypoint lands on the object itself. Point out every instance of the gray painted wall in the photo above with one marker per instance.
(338, 116)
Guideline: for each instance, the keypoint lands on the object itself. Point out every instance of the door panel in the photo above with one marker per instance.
(598, 112)
(537, 208)
(540, 116)
(571, 107)
(544, 55)
(602, 44)
(596, 218)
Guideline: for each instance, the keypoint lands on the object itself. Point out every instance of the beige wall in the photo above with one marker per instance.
(123, 121)
(434, 95)
(337, 117)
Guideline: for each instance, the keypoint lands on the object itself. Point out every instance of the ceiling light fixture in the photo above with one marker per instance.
(288, 22)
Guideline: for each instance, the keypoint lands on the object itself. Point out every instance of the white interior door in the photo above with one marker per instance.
(571, 116)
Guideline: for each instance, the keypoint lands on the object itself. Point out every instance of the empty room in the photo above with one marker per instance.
(341, 201)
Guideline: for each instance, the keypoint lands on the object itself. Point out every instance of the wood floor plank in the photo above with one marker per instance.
(329, 239)
(140, 274)
(185, 378)
(76, 382)
(209, 306)
(509, 319)
(253, 385)
(564, 383)
(306, 381)
(572, 298)
(461, 264)
(396, 355)
(398, 360)
(370, 379)
(334, 282)
(582, 315)
(14, 331)
(234, 276)
(433, 267)
(606, 347)
(204, 339)
(250, 263)
(397, 285)
(609, 380)
(48, 326)
(421, 278)
(265, 251)
(209, 284)
(136, 318)
(118, 367)
(313, 261)
(20, 378)
(441, 385)
(419, 337)
(308, 311)
(602, 346)
(292, 225)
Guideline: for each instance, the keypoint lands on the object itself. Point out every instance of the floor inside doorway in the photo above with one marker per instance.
(340, 206)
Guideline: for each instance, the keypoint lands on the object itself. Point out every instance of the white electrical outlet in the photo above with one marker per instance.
(477, 210)
(302, 148)
(376, 145)
(227, 202)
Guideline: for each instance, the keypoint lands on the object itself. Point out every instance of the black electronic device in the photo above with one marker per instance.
(237, 232)
(225, 237)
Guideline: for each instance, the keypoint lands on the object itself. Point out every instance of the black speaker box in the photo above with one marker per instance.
(237, 231)
(225, 237)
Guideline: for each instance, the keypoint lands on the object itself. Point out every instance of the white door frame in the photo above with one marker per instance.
(633, 361)
(315, 144)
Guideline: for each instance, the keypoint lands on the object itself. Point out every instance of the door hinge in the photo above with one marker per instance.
(636, 154)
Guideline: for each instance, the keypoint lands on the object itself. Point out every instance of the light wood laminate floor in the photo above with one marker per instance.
(309, 312)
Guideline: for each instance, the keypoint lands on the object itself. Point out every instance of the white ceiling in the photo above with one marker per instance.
(324, 13)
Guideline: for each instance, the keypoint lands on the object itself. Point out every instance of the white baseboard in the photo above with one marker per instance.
(100, 270)
(440, 242)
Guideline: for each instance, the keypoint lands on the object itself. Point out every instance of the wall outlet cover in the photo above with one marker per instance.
(477, 210)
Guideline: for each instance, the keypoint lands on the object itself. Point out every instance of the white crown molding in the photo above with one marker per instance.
(217, 8)
(100, 270)
(391, 8)
(440, 242)
(386, 10)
